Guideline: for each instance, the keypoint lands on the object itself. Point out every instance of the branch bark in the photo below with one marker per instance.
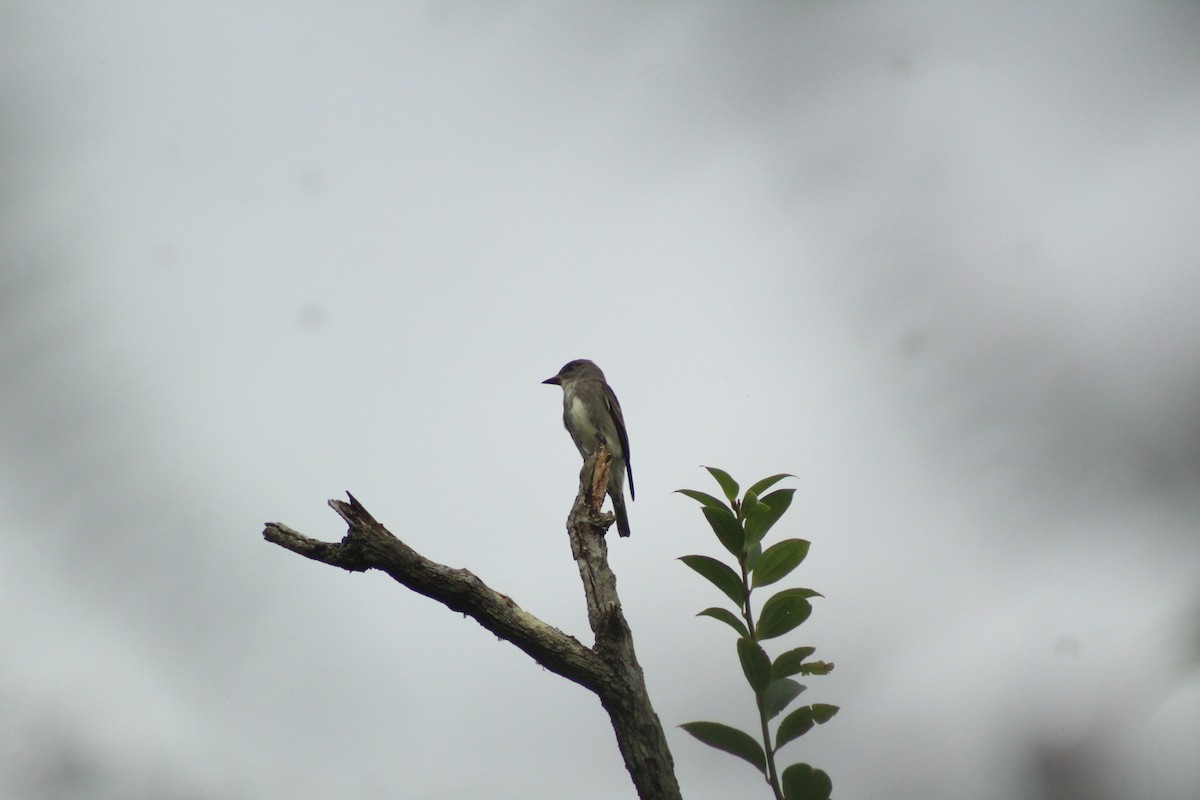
(609, 668)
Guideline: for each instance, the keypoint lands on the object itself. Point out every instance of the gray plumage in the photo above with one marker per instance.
(591, 411)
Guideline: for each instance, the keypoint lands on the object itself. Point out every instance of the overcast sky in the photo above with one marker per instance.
(939, 261)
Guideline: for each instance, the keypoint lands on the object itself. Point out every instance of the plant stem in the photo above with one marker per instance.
(748, 614)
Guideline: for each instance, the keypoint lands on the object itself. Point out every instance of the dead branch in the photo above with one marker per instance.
(610, 668)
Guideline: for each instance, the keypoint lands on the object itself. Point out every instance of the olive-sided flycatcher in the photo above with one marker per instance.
(591, 411)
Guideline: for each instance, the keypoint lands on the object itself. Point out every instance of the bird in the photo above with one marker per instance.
(591, 412)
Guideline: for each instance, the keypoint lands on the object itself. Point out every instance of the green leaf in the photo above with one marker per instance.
(778, 560)
(767, 483)
(791, 662)
(726, 527)
(720, 575)
(778, 695)
(728, 618)
(794, 725)
(728, 485)
(702, 497)
(730, 740)
(752, 507)
(783, 612)
(756, 664)
(801, 721)
(758, 525)
(802, 782)
(817, 668)
(823, 712)
(752, 556)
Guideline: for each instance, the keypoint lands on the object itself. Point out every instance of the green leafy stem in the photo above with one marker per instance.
(740, 525)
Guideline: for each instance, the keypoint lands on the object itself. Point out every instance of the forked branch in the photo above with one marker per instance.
(609, 669)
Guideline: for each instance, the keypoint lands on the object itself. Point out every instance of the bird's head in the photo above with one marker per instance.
(578, 370)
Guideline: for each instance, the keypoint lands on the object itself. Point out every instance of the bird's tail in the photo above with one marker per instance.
(618, 498)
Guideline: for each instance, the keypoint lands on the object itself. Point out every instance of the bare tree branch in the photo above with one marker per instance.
(639, 733)
(368, 545)
(609, 669)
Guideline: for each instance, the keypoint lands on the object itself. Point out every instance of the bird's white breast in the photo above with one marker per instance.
(579, 417)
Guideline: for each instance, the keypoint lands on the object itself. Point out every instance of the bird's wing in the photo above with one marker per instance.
(614, 408)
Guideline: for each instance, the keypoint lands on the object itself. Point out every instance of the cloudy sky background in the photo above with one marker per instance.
(939, 261)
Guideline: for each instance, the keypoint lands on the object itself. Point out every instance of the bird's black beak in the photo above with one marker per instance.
(555, 380)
